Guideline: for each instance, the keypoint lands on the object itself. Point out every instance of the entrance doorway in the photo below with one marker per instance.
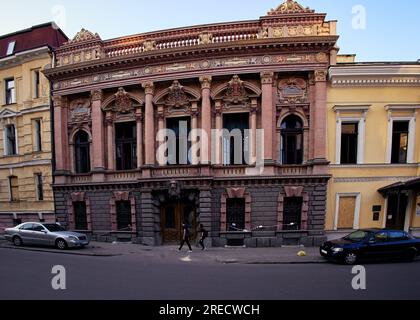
(173, 215)
(397, 207)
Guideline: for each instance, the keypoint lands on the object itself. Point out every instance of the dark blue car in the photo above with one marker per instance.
(372, 244)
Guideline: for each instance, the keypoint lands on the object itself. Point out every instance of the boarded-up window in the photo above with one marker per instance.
(346, 212)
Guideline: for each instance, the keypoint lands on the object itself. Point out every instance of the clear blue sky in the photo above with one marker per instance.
(391, 33)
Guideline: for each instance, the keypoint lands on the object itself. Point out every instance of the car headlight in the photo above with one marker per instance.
(336, 250)
(73, 238)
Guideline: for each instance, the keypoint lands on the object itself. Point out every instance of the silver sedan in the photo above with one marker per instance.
(33, 233)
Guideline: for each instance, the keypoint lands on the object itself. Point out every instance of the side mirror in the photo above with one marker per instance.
(44, 231)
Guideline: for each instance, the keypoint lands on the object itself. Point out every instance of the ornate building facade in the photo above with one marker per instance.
(25, 125)
(112, 97)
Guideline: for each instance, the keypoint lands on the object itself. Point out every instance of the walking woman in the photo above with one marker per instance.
(204, 234)
(185, 237)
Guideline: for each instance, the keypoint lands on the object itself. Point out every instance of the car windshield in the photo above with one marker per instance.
(357, 236)
(54, 227)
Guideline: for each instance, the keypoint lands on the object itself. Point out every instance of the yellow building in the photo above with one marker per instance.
(25, 125)
(374, 146)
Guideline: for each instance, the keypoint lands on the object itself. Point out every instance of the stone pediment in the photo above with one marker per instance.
(7, 113)
(85, 35)
(289, 7)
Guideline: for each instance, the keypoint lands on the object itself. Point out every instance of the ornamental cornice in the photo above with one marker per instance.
(375, 75)
(172, 71)
(320, 43)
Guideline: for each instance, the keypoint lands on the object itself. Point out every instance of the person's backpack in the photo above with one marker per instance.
(205, 233)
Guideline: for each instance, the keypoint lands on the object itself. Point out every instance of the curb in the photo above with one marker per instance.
(269, 262)
(61, 252)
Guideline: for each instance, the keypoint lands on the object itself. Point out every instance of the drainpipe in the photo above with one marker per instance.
(52, 123)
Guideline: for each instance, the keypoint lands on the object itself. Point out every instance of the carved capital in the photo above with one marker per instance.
(205, 82)
(109, 121)
(311, 79)
(139, 116)
(96, 95)
(149, 88)
(267, 77)
(320, 75)
(58, 101)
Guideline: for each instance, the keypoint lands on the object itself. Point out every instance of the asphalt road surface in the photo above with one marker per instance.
(27, 275)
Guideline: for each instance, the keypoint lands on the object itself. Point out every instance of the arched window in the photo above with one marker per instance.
(292, 140)
(82, 152)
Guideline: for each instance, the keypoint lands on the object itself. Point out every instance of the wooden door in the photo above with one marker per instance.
(173, 216)
(397, 206)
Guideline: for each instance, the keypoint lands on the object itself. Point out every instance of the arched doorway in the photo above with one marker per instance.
(173, 215)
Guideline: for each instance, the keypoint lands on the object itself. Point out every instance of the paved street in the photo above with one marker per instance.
(27, 275)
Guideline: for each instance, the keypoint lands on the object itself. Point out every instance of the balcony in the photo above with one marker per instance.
(187, 172)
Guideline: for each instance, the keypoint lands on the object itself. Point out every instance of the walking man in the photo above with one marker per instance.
(185, 237)
(204, 234)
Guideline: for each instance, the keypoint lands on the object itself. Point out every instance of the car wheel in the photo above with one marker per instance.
(17, 241)
(350, 259)
(411, 255)
(61, 244)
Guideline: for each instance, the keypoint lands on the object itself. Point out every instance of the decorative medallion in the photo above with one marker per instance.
(177, 97)
(80, 110)
(123, 103)
(235, 92)
(292, 91)
(206, 38)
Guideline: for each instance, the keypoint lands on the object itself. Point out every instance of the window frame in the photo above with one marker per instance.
(39, 187)
(11, 198)
(358, 196)
(411, 138)
(13, 100)
(37, 133)
(228, 159)
(283, 142)
(359, 115)
(119, 142)
(357, 125)
(11, 46)
(36, 78)
(236, 202)
(6, 151)
(76, 152)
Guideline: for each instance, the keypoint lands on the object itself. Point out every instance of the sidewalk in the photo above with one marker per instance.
(285, 255)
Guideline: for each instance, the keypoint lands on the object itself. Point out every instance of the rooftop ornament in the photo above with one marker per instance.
(290, 6)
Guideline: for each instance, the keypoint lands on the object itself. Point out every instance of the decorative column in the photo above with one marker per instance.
(206, 118)
(194, 127)
(139, 127)
(253, 126)
(161, 126)
(60, 135)
(312, 116)
(149, 125)
(98, 131)
(110, 141)
(320, 115)
(267, 114)
(217, 156)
